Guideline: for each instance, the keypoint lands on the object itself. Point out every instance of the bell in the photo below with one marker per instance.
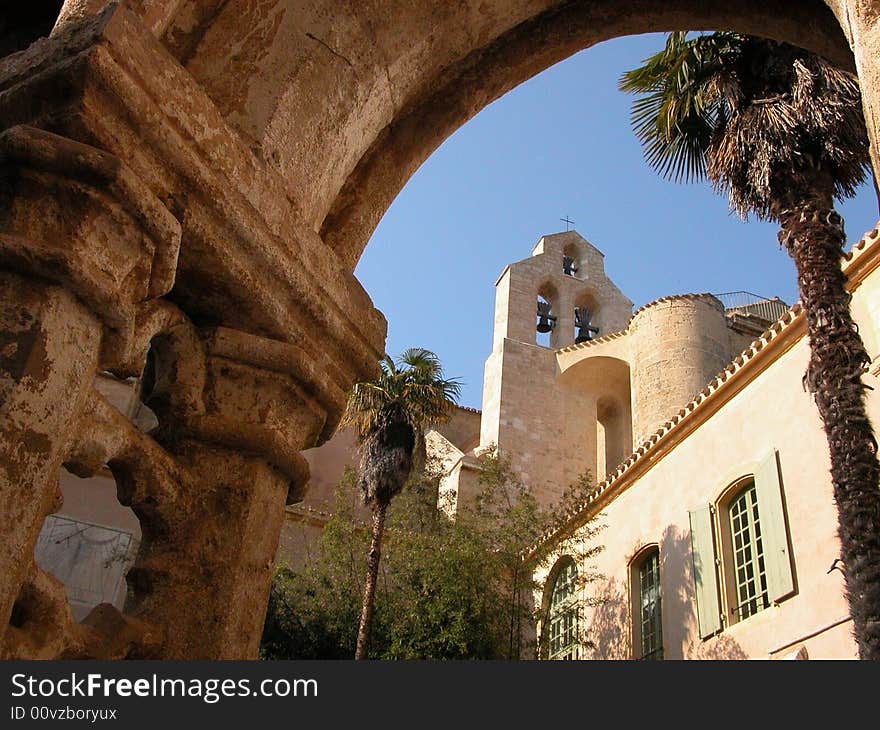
(546, 321)
(582, 322)
(569, 267)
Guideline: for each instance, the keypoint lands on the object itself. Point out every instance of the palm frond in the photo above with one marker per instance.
(412, 385)
(763, 121)
(390, 413)
(678, 109)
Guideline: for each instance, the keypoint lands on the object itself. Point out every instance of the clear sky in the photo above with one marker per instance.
(558, 145)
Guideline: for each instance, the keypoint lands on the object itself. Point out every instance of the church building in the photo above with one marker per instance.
(710, 462)
(710, 465)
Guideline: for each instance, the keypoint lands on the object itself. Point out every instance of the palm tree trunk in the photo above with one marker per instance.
(813, 234)
(363, 639)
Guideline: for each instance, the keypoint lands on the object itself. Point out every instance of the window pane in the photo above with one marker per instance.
(650, 629)
(563, 620)
(748, 554)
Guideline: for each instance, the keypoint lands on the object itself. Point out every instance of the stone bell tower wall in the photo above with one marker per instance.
(541, 274)
(678, 344)
(545, 429)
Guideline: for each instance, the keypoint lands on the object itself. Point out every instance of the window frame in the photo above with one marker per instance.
(710, 528)
(729, 587)
(638, 561)
(571, 604)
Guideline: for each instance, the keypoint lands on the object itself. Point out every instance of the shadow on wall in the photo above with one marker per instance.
(609, 626)
(607, 632)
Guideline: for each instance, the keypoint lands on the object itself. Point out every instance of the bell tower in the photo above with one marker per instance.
(561, 292)
(558, 296)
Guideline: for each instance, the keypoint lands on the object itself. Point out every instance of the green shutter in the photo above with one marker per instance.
(777, 558)
(705, 575)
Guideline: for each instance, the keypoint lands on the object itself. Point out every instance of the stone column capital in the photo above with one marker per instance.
(247, 260)
(78, 217)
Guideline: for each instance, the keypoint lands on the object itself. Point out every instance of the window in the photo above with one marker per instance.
(562, 620)
(584, 327)
(647, 624)
(741, 553)
(749, 573)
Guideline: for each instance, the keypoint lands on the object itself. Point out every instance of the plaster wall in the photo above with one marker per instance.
(772, 412)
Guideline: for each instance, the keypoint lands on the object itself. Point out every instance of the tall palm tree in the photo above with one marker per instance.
(390, 414)
(780, 132)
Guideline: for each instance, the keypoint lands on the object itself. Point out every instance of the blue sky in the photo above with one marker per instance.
(558, 145)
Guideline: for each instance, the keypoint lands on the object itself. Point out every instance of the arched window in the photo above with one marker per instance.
(647, 616)
(610, 436)
(749, 572)
(562, 619)
(570, 260)
(586, 317)
(741, 550)
(545, 325)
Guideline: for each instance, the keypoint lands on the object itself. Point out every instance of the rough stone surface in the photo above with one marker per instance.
(678, 345)
(48, 353)
(185, 188)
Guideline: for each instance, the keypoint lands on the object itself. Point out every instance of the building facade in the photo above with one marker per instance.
(710, 464)
(721, 524)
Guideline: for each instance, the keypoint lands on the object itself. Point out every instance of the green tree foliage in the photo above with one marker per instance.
(390, 414)
(448, 589)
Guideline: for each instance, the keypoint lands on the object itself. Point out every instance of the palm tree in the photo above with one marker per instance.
(390, 414)
(780, 132)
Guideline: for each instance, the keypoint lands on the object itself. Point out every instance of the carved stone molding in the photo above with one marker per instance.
(77, 217)
(247, 260)
(137, 227)
(49, 344)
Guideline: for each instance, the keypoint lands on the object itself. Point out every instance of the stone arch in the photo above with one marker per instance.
(547, 293)
(346, 109)
(605, 382)
(320, 121)
(588, 302)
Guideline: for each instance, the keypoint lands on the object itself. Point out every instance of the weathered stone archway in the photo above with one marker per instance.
(349, 99)
(203, 175)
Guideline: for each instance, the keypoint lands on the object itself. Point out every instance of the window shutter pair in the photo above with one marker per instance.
(774, 538)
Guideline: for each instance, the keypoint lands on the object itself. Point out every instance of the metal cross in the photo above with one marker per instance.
(567, 222)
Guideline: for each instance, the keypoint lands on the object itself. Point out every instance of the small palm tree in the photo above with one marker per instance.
(780, 132)
(390, 414)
